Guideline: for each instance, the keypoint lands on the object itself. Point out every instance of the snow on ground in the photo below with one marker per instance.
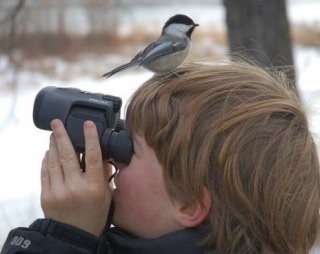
(307, 62)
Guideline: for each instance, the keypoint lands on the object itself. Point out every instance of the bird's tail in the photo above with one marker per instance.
(121, 68)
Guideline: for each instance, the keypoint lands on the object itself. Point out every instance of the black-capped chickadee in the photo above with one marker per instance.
(165, 54)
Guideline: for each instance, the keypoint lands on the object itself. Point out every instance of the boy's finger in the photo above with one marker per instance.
(65, 151)
(45, 176)
(94, 167)
(54, 168)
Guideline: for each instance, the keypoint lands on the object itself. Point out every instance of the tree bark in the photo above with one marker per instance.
(260, 29)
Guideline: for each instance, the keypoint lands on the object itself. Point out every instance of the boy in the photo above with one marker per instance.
(223, 162)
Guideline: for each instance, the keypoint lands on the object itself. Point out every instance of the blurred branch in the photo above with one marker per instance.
(10, 19)
(13, 13)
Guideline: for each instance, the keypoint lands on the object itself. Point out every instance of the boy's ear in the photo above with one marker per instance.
(191, 215)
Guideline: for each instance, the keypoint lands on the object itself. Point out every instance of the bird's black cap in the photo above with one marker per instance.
(180, 19)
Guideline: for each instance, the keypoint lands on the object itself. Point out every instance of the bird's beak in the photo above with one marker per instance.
(195, 25)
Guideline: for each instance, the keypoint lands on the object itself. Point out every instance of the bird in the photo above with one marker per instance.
(165, 54)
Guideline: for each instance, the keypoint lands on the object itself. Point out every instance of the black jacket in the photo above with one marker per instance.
(49, 236)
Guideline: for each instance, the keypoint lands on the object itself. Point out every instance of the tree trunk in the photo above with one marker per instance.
(260, 29)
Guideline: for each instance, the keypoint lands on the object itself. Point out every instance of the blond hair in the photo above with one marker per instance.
(242, 133)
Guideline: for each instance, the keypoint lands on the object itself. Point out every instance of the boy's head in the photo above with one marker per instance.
(240, 134)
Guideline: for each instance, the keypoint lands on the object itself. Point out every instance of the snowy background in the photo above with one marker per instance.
(22, 145)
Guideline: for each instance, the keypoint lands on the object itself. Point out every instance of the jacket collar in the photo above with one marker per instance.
(184, 241)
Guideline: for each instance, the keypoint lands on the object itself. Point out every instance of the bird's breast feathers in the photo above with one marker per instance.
(167, 63)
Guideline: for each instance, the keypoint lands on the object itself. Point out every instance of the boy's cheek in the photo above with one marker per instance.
(132, 193)
(129, 210)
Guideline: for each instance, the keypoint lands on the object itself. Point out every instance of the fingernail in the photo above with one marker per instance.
(88, 124)
(55, 124)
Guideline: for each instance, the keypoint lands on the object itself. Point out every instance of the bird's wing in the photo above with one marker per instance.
(154, 50)
(142, 53)
(160, 49)
(136, 61)
(120, 68)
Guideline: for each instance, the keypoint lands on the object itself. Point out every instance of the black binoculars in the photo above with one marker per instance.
(73, 107)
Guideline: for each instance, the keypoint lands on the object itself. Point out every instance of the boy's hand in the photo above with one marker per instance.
(68, 195)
